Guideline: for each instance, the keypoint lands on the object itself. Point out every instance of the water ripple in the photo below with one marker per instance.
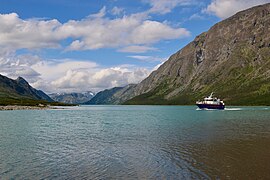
(135, 142)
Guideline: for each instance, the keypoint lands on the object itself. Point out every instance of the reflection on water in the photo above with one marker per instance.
(238, 159)
(145, 142)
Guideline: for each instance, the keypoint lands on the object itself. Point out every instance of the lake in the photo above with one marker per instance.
(135, 142)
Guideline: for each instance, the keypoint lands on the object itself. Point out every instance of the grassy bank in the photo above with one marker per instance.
(9, 99)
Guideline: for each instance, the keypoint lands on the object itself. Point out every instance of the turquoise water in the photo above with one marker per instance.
(135, 142)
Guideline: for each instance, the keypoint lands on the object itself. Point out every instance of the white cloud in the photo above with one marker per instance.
(72, 79)
(14, 66)
(196, 16)
(137, 49)
(134, 30)
(100, 14)
(68, 75)
(54, 69)
(226, 8)
(135, 33)
(94, 32)
(31, 34)
(148, 58)
(117, 11)
(99, 78)
(75, 45)
(140, 57)
(166, 6)
(153, 31)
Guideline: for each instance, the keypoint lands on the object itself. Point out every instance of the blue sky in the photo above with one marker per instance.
(67, 46)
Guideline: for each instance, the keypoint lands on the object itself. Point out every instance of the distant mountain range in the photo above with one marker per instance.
(73, 98)
(115, 95)
(20, 92)
(232, 60)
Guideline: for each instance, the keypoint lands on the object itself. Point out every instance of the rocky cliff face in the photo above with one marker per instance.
(232, 59)
(16, 90)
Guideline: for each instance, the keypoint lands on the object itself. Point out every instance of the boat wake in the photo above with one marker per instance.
(226, 109)
(233, 109)
(205, 109)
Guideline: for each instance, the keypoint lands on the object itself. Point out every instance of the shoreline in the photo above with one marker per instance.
(18, 107)
(21, 107)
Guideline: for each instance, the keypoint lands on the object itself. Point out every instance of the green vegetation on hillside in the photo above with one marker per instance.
(14, 92)
(7, 99)
(232, 60)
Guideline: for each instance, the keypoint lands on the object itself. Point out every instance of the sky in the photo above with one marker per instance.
(86, 45)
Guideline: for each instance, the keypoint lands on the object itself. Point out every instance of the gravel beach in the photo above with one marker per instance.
(13, 107)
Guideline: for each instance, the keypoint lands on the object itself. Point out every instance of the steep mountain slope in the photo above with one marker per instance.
(28, 90)
(232, 59)
(72, 98)
(13, 91)
(115, 95)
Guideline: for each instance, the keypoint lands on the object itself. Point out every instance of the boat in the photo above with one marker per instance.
(211, 102)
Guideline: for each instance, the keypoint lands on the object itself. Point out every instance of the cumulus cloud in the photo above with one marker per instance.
(32, 34)
(68, 75)
(153, 31)
(53, 69)
(14, 66)
(128, 31)
(99, 78)
(226, 8)
(93, 32)
(135, 33)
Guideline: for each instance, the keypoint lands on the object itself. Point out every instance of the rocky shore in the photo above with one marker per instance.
(14, 107)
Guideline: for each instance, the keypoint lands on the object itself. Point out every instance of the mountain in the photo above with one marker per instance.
(232, 60)
(19, 91)
(29, 90)
(115, 95)
(72, 98)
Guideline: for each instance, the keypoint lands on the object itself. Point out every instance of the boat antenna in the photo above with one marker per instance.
(211, 95)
